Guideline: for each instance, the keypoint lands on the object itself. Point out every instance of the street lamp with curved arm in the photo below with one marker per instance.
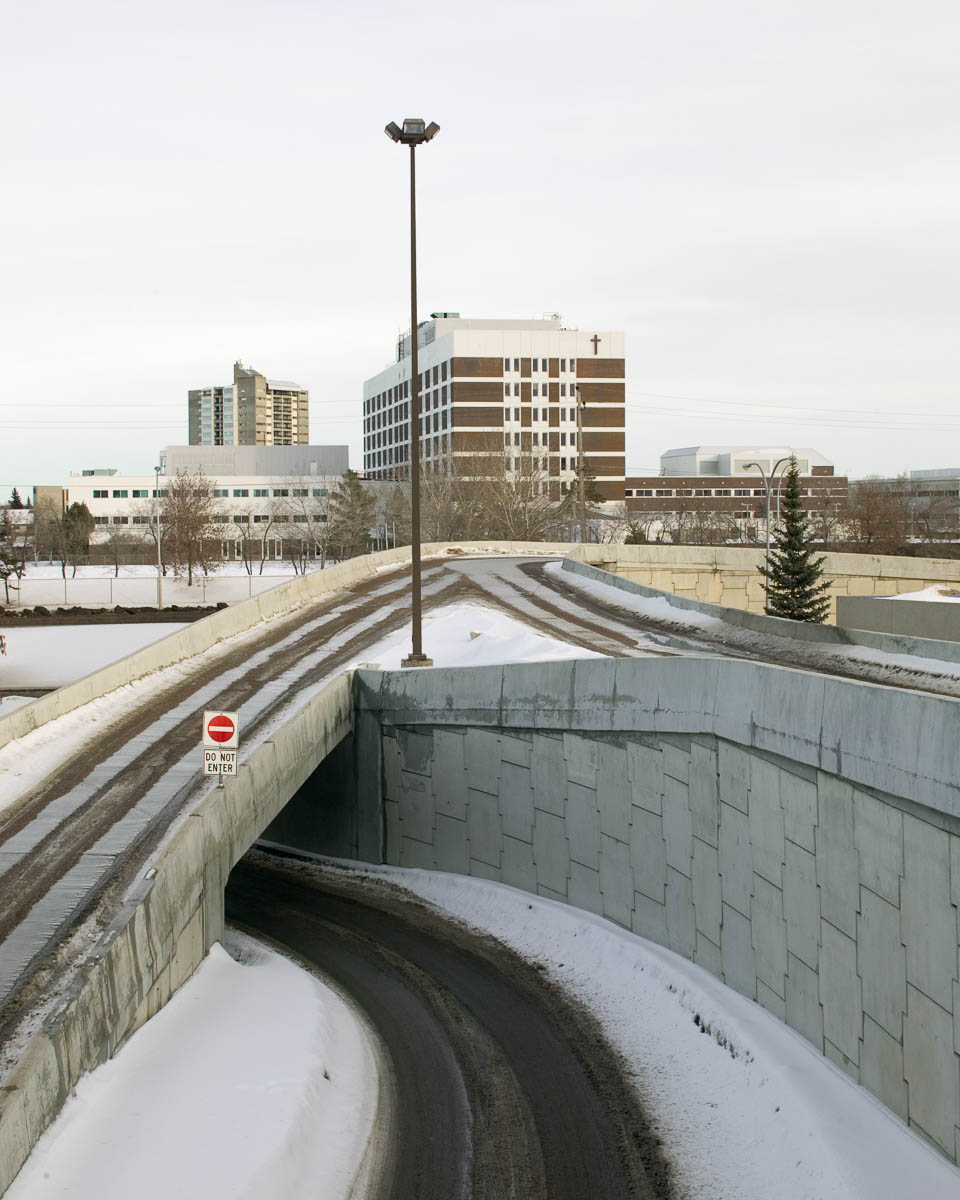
(766, 488)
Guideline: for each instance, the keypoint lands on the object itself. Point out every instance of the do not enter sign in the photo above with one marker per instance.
(221, 729)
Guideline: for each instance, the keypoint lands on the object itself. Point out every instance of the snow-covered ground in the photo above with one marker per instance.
(256, 1080)
(52, 656)
(225, 1080)
(938, 592)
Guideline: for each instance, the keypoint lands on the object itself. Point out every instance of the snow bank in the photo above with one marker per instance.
(256, 1080)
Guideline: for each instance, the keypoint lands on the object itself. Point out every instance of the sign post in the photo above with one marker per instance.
(221, 740)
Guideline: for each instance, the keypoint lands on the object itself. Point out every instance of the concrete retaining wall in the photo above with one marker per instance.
(778, 627)
(919, 619)
(796, 835)
(727, 575)
(167, 925)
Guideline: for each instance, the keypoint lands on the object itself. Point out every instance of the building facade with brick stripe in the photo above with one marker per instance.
(504, 393)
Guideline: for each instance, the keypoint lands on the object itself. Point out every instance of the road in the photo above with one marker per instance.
(71, 843)
(504, 1088)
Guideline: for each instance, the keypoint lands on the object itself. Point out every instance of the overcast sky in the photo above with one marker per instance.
(765, 197)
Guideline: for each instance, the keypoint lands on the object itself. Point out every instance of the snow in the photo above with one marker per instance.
(8, 703)
(52, 656)
(746, 1108)
(939, 592)
(471, 635)
(256, 1080)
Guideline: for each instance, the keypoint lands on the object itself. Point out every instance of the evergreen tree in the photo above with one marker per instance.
(15, 501)
(352, 516)
(795, 585)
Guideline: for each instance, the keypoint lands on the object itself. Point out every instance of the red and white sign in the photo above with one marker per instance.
(221, 729)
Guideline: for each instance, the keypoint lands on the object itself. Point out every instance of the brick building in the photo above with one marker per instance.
(710, 492)
(505, 391)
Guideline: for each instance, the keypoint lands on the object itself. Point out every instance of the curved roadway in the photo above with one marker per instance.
(503, 1088)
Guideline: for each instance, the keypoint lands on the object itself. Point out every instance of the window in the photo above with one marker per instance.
(101, 520)
(536, 438)
(119, 493)
(741, 491)
(563, 366)
(516, 414)
(139, 493)
(220, 493)
(563, 442)
(319, 491)
(563, 389)
(242, 519)
(443, 375)
(644, 492)
(516, 439)
(628, 491)
(100, 494)
(563, 467)
(703, 492)
(281, 491)
(141, 520)
(241, 491)
(664, 491)
(543, 364)
(121, 520)
(506, 389)
(516, 389)
(261, 492)
(544, 414)
(722, 492)
(536, 389)
(573, 364)
(759, 492)
(506, 364)
(301, 491)
(742, 516)
(573, 439)
(685, 492)
(563, 414)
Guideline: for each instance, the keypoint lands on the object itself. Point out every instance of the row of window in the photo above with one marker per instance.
(539, 389)
(565, 439)
(219, 493)
(514, 364)
(540, 414)
(702, 492)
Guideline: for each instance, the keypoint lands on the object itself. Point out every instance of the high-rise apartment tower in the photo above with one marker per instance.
(255, 411)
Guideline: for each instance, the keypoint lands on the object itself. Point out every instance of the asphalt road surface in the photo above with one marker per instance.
(504, 1087)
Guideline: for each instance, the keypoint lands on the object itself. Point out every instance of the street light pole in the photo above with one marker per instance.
(766, 488)
(414, 133)
(156, 496)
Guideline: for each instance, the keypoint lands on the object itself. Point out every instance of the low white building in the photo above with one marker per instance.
(732, 460)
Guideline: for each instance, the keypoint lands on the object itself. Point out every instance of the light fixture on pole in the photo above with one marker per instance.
(156, 496)
(414, 133)
(766, 560)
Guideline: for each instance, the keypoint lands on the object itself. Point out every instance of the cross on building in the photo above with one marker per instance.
(596, 343)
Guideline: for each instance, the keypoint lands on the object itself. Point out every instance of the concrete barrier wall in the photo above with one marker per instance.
(920, 619)
(778, 627)
(166, 926)
(728, 575)
(796, 835)
(140, 591)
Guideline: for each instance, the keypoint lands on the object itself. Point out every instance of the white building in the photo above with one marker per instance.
(503, 387)
(732, 460)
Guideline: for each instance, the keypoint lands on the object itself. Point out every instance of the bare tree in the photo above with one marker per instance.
(876, 517)
(192, 523)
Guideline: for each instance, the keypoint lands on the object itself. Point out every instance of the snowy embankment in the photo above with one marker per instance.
(256, 1080)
